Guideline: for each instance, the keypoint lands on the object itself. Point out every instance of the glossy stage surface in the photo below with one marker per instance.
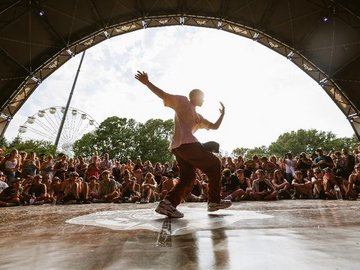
(293, 234)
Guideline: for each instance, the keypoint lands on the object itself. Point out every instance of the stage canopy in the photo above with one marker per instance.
(322, 37)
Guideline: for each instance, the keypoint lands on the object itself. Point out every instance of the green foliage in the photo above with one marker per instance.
(125, 138)
(38, 146)
(249, 153)
(300, 141)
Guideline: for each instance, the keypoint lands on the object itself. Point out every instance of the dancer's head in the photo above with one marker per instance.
(196, 97)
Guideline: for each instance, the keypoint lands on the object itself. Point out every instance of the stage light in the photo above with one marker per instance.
(41, 12)
(325, 19)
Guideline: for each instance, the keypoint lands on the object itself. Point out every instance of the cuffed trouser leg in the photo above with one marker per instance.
(189, 157)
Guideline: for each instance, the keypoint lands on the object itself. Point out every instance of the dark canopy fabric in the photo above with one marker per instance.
(322, 37)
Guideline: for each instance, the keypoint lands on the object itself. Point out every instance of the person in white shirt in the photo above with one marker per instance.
(190, 153)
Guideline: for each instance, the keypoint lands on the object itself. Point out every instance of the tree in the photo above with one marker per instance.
(248, 153)
(153, 140)
(40, 147)
(125, 138)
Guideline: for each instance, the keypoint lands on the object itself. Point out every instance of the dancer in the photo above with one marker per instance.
(190, 154)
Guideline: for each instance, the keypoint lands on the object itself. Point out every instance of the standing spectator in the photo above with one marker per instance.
(322, 161)
(303, 164)
(30, 166)
(106, 163)
(47, 166)
(116, 172)
(93, 168)
(138, 164)
(11, 165)
(290, 165)
(61, 166)
(81, 167)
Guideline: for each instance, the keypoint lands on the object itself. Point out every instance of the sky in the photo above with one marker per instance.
(264, 93)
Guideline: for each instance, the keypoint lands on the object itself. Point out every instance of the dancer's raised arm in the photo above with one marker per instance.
(144, 78)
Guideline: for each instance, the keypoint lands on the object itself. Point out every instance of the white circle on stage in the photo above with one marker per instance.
(195, 219)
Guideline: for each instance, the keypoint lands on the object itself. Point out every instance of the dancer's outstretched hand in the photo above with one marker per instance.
(222, 109)
(142, 77)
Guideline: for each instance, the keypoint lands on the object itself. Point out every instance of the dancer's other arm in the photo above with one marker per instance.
(217, 124)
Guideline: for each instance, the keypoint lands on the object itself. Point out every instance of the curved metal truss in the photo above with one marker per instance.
(325, 78)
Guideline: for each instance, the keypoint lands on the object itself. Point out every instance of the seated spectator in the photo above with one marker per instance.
(318, 184)
(49, 187)
(36, 191)
(3, 184)
(242, 187)
(229, 183)
(196, 194)
(30, 166)
(167, 183)
(204, 180)
(108, 192)
(47, 166)
(81, 167)
(57, 188)
(353, 188)
(94, 188)
(130, 189)
(148, 188)
(281, 185)
(61, 166)
(330, 182)
(262, 188)
(74, 191)
(11, 196)
(302, 186)
(290, 165)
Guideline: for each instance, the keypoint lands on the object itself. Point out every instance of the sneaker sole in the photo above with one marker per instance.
(218, 208)
(163, 211)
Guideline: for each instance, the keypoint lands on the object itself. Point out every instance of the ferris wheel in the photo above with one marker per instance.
(45, 124)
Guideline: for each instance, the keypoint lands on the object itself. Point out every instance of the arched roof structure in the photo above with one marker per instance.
(322, 37)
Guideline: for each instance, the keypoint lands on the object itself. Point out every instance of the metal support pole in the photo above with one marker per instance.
(68, 103)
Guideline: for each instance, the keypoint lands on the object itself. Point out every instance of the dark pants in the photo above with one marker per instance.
(189, 157)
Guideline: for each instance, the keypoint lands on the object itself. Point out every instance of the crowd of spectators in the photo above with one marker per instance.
(26, 179)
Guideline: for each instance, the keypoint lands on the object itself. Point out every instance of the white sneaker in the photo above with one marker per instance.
(212, 206)
(166, 208)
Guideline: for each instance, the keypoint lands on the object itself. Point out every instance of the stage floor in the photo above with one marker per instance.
(292, 234)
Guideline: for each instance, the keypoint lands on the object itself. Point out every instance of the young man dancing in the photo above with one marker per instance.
(190, 154)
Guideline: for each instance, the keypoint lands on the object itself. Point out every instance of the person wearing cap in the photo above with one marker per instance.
(11, 196)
